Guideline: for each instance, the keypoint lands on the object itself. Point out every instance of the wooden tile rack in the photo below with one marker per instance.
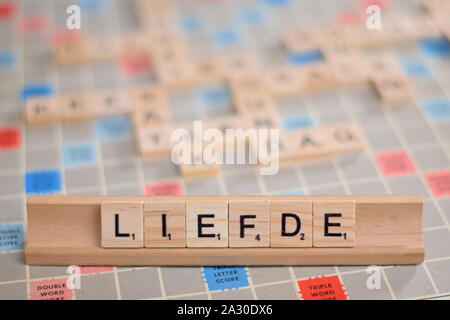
(66, 230)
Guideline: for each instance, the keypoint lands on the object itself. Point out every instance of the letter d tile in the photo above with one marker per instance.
(290, 223)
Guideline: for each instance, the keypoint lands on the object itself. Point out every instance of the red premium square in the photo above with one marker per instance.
(9, 138)
(382, 4)
(394, 162)
(33, 23)
(349, 17)
(7, 9)
(322, 288)
(439, 182)
(92, 270)
(50, 289)
(167, 188)
(134, 65)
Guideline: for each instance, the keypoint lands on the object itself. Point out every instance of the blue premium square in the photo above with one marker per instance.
(42, 182)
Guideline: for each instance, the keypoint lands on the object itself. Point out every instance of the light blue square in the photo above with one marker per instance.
(415, 68)
(11, 237)
(92, 6)
(79, 154)
(190, 25)
(112, 128)
(7, 60)
(304, 58)
(294, 122)
(251, 16)
(215, 96)
(297, 192)
(277, 3)
(437, 108)
(227, 37)
(222, 278)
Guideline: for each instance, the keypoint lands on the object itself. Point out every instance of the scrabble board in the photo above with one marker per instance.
(407, 146)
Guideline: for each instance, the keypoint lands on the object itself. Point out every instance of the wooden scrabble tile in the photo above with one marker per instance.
(307, 144)
(165, 224)
(403, 28)
(249, 223)
(425, 27)
(149, 97)
(122, 224)
(267, 119)
(79, 106)
(134, 43)
(110, 102)
(208, 71)
(396, 30)
(71, 51)
(149, 7)
(310, 39)
(199, 170)
(239, 64)
(168, 51)
(343, 137)
(224, 123)
(168, 54)
(334, 224)
(331, 38)
(285, 150)
(348, 69)
(284, 154)
(158, 18)
(254, 104)
(263, 121)
(433, 6)
(203, 162)
(163, 39)
(157, 22)
(361, 36)
(441, 21)
(394, 89)
(316, 77)
(179, 73)
(227, 123)
(154, 141)
(264, 149)
(283, 81)
(299, 40)
(42, 110)
(207, 223)
(337, 48)
(391, 33)
(265, 159)
(291, 223)
(325, 141)
(382, 66)
(103, 48)
(144, 117)
(247, 84)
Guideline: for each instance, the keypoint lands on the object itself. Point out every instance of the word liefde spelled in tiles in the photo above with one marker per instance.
(220, 223)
